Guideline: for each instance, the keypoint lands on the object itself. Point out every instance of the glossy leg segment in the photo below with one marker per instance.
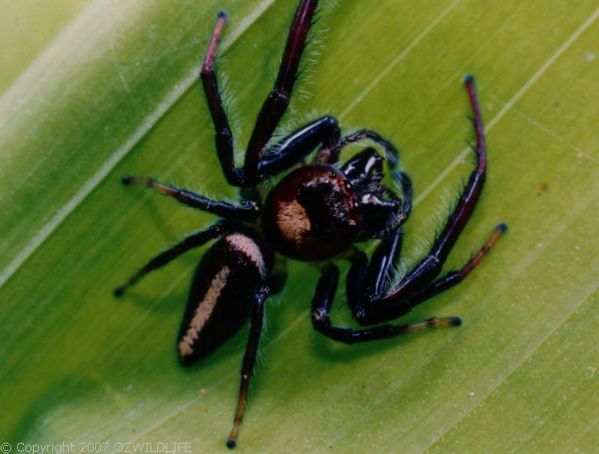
(224, 136)
(382, 265)
(192, 241)
(248, 211)
(321, 306)
(249, 360)
(277, 101)
(295, 147)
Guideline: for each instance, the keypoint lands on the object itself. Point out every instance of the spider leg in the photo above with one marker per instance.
(224, 136)
(247, 211)
(456, 276)
(321, 306)
(402, 180)
(367, 283)
(296, 146)
(277, 101)
(330, 155)
(192, 241)
(249, 360)
(397, 301)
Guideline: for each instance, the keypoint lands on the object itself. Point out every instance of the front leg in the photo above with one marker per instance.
(412, 289)
(296, 146)
(431, 265)
(273, 108)
(277, 101)
(223, 134)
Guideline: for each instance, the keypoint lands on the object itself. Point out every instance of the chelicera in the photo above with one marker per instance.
(317, 212)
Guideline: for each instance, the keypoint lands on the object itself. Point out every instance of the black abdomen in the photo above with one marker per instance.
(222, 293)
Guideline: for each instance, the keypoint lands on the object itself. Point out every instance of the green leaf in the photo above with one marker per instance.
(112, 91)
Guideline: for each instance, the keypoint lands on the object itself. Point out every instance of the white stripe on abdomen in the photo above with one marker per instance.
(203, 311)
(249, 248)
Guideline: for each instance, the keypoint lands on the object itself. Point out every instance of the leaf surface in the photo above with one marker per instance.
(113, 92)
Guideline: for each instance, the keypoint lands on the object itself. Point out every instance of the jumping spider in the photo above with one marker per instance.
(314, 213)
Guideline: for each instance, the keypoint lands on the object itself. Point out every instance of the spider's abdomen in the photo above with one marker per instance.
(222, 292)
(312, 213)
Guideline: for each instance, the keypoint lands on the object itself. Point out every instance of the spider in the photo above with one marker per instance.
(316, 212)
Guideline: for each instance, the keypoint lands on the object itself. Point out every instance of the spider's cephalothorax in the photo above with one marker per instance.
(317, 212)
